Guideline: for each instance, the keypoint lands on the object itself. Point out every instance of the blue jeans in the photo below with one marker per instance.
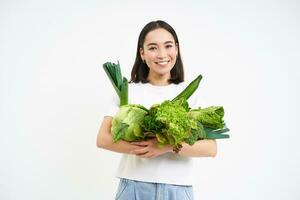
(138, 190)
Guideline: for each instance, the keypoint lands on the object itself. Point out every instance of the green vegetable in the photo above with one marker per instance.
(216, 134)
(127, 123)
(210, 117)
(189, 90)
(170, 122)
(120, 84)
(124, 92)
(196, 134)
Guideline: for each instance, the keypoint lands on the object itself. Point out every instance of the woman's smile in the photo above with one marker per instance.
(163, 63)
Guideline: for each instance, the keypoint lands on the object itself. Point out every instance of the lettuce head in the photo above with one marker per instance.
(170, 122)
(127, 123)
(210, 117)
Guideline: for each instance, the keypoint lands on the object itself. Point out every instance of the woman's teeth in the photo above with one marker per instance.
(162, 62)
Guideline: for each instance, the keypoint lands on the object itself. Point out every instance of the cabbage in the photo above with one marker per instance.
(127, 123)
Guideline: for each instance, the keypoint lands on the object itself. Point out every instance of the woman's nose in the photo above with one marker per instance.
(161, 53)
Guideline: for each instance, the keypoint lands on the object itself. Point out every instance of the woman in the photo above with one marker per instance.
(146, 171)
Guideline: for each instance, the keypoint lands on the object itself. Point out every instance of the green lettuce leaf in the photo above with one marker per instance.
(210, 117)
(127, 123)
(170, 122)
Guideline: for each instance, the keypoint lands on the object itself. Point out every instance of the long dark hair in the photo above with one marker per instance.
(140, 70)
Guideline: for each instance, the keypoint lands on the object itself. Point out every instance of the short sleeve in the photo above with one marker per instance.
(112, 107)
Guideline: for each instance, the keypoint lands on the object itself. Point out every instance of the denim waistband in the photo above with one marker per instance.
(139, 190)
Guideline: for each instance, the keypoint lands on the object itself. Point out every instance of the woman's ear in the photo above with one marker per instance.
(142, 53)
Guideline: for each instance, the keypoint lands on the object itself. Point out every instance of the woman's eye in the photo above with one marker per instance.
(152, 48)
(169, 46)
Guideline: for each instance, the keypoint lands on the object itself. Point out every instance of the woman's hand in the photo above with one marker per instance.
(150, 149)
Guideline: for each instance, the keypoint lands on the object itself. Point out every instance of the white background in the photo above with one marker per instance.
(54, 91)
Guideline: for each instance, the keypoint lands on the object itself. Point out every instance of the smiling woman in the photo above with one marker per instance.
(147, 171)
(159, 52)
(158, 55)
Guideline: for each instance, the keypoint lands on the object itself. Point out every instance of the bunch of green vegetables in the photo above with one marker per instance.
(171, 122)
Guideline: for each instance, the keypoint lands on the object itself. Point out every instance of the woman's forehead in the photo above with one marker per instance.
(159, 36)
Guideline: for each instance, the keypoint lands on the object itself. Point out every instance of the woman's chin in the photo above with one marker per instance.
(163, 71)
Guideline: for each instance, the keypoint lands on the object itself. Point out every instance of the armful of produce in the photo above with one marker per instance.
(171, 122)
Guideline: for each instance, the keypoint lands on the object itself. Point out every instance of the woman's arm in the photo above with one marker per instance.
(149, 149)
(105, 141)
(202, 148)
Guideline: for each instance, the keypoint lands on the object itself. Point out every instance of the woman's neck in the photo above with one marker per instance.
(158, 80)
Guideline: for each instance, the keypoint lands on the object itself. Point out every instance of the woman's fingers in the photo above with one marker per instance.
(143, 143)
(147, 149)
(140, 151)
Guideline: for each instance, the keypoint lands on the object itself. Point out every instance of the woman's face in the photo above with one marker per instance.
(159, 52)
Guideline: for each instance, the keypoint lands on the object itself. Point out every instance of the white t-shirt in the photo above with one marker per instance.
(168, 168)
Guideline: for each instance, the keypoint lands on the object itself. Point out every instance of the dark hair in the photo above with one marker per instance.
(140, 70)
